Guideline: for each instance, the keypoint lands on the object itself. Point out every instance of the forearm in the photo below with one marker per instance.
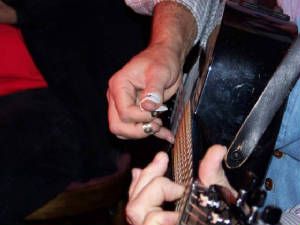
(173, 27)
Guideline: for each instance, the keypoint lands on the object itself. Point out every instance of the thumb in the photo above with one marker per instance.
(161, 218)
(152, 100)
(210, 169)
(152, 95)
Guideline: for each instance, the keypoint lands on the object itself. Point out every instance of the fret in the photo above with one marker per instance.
(197, 210)
(192, 213)
(207, 206)
(192, 218)
(201, 210)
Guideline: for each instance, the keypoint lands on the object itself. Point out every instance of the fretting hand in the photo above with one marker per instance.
(149, 189)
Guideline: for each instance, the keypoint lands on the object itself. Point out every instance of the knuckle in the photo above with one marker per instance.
(158, 121)
(132, 212)
(149, 170)
(147, 117)
(156, 128)
(158, 68)
(113, 81)
(115, 128)
(153, 217)
(158, 181)
(123, 115)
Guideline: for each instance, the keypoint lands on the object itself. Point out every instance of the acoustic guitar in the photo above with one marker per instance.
(240, 46)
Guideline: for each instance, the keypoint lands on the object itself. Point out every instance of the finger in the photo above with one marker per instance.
(137, 131)
(162, 85)
(156, 82)
(156, 168)
(159, 190)
(158, 121)
(165, 134)
(135, 176)
(169, 92)
(114, 117)
(151, 101)
(127, 130)
(152, 196)
(161, 218)
(211, 170)
(124, 96)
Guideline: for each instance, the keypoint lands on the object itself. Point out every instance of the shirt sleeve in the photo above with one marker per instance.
(290, 7)
(146, 7)
(291, 216)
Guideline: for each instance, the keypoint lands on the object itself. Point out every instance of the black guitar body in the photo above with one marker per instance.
(248, 49)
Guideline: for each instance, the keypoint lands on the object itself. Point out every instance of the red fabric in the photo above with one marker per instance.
(17, 69)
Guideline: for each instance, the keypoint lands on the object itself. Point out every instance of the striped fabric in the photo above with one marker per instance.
(290, 7)
(291, 216)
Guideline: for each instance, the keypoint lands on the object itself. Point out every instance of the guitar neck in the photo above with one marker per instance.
(182, 152)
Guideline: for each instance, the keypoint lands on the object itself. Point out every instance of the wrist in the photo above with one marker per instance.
(167, 55)
(167, 49)
(174, 27)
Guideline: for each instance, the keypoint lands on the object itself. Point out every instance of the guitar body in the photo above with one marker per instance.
(240, 49)
(247, 51)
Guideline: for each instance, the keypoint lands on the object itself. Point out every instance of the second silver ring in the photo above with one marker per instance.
(148, 129)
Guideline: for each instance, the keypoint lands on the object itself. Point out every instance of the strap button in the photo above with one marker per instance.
(278, 154)
(268, 184)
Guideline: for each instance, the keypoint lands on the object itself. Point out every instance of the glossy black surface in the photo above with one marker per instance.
(244, 60)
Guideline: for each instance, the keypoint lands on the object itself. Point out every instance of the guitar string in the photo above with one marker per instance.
(182, 152)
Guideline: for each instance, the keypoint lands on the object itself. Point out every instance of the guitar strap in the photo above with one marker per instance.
(265, 108)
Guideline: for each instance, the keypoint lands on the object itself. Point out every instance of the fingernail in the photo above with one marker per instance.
(153, 97)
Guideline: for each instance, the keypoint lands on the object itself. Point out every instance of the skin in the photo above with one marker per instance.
(157, 69)
(7, 14)
(149, 189)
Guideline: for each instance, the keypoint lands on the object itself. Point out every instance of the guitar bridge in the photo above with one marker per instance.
(216, 205)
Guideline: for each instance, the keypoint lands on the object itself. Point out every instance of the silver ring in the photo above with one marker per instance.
(148, 129)
(155, 114)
